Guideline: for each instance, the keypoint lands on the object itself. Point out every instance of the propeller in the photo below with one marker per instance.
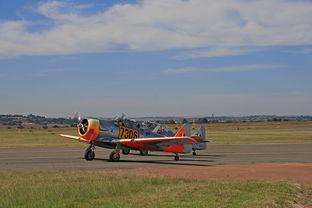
(83, 126)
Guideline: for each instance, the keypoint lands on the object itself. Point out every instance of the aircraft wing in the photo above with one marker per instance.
(76, 138)
(156, 143)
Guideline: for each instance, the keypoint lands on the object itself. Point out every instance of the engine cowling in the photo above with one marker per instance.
(89, 128)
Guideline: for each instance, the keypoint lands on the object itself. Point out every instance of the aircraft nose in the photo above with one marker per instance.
(89, 128)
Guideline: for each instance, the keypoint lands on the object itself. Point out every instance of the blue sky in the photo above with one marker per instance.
(156, 58)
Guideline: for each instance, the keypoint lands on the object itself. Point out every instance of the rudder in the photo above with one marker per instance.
(185, 130)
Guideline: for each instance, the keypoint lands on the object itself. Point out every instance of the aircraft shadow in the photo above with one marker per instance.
(197, 156)
(164, 162)
(183, 156)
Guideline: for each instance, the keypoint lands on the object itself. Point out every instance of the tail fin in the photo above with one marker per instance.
(201, 132)
(185, 130)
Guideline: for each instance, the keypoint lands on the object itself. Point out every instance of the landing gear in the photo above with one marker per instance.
(144, 152)
(114, 156)
(194, 153)
(176, 157)
(125, 151)
(89, 153)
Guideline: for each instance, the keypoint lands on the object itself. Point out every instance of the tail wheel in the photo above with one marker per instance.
(114, 156)
(89, 155)
(143, 152)
(125, 151)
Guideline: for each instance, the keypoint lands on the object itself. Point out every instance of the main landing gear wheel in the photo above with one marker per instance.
(144, 152)
(125, 151)
(114, 156)
(176, 157)
(89, 154)
(194, 153)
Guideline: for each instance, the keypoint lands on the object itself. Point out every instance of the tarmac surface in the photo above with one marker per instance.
(71, 158)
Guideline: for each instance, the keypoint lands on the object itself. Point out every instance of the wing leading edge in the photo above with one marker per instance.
(76, 138)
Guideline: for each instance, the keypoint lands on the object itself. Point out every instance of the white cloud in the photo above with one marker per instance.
(161, 25)
(245, 68)
(214, 52)
(252, 67)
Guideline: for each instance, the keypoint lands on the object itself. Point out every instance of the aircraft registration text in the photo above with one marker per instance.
(126, 133)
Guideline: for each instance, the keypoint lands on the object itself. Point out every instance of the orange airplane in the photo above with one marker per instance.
(125, 134)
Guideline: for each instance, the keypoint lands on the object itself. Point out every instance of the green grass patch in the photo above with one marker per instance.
(94, 189)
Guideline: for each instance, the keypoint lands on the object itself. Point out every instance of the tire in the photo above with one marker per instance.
(144, 152)
(125, 151)
(89, 155)
(114, 157)
(194, 154)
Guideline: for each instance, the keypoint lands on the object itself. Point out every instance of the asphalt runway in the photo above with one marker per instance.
(71, 158)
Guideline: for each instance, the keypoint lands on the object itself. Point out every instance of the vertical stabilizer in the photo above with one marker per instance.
(201, 132)
(185, 130)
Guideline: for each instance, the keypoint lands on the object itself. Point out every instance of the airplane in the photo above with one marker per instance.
(121, 134)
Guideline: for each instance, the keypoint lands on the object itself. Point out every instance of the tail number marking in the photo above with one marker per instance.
(126, 133)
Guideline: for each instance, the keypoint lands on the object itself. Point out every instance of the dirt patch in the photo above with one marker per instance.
(299, 173)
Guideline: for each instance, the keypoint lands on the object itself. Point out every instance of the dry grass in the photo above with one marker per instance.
(220, 133)
(251, 125)
(36, 137)
(257, 132)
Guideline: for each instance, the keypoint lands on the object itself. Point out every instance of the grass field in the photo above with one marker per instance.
(257, 132)
(94, 189)
(220, 133)
(36, 137)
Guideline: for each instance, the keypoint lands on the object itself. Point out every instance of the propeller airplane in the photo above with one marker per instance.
(122, 135)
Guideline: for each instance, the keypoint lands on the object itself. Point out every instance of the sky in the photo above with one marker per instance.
(156, 58)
